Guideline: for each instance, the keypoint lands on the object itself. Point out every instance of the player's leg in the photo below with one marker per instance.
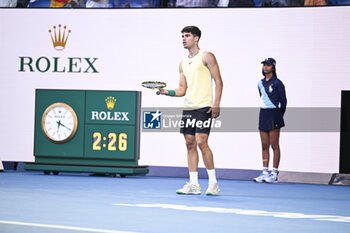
(207, 154)
(192, 153)
(191, 187)
(274, 141)
(202, 135)
(1, 166)
(265, 145)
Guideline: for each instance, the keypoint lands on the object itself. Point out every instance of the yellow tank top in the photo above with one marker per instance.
(198, 78)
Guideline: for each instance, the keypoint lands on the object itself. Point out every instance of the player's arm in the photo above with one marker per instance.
(181, 90)
(209, 60)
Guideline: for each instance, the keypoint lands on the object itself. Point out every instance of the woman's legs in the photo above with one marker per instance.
(265, 144)
(269, 138)
(274, 136)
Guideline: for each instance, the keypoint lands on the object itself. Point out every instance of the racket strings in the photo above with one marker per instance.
(153, 85)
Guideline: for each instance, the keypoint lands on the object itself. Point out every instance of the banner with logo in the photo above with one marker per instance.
(118, 49)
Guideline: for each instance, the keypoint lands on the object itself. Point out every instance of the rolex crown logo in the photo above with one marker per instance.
(59, 37)
(110, 101)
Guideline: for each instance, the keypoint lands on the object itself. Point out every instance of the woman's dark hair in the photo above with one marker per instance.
(192, 29)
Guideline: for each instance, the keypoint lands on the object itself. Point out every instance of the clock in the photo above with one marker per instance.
(59, 122)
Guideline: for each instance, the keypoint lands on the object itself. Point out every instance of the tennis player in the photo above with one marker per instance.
(197, 70)
(273, 107)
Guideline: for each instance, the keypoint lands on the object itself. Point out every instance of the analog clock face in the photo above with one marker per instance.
(59, 122)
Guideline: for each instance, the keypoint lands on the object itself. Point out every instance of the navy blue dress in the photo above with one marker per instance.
(273, 104)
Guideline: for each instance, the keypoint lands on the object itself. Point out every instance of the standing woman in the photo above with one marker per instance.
(273, 107)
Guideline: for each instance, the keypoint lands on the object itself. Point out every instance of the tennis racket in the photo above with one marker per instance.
(154, 85)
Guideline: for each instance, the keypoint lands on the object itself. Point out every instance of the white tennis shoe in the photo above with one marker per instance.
(262, 177)
(189, 189)
(213, 189)
(272, 178)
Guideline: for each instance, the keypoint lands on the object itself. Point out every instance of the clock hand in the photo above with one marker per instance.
(67, 127)
(58, 127)
(64, 126)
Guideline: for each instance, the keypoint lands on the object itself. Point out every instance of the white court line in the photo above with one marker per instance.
(331, 218)
(62, 227)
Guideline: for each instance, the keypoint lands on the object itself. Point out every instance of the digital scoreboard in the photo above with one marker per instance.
(87, 131)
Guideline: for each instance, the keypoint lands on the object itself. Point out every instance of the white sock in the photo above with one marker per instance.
(194, 178)
(275, 170)
(212, 176)
(265, 170)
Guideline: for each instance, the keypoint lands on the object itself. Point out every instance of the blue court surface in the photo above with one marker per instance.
(37, 203)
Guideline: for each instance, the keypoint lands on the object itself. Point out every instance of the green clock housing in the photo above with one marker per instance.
(87, 131)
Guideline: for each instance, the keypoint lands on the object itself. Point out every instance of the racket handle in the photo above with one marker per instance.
(158, 92)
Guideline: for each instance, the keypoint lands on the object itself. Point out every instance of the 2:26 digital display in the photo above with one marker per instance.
(115, 141)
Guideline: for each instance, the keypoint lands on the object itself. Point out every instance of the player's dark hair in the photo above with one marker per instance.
(273, 71)
(192, 29)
